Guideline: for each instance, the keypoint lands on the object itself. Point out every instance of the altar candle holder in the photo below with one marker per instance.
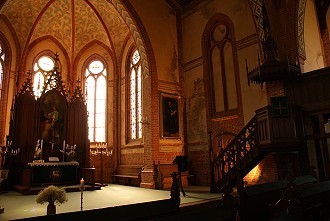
(7, 150)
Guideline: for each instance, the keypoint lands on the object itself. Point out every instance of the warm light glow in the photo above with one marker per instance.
(135, 97)
(96, 95)
(42, 71)
(46, 63)
(2, 59)
(96, 67)
(254, 175)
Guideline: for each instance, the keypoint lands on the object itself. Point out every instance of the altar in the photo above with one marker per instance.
(56, 173)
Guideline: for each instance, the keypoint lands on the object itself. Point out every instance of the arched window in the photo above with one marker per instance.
(96, 96)
(5, 59)
(221, 69)
(41, 69)
(135, 96)
(2, 66)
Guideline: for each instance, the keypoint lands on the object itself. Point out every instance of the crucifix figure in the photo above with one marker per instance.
(52, 143)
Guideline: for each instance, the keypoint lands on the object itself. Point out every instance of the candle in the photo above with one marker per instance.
(82, 182)
(63, 145)
(42, 143)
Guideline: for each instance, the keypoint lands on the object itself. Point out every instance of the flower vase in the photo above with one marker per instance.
(51, 208)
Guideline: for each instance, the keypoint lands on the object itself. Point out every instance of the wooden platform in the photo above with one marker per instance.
(24, 190)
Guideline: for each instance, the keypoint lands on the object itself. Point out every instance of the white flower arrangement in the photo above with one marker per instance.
(52, 194)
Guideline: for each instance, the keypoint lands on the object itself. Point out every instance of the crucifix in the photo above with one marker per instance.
(52, 143)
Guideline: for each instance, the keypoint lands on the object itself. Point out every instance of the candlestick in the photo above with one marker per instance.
(82, 182)
(81, 193)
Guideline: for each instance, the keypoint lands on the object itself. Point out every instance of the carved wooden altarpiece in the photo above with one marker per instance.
(55, 117)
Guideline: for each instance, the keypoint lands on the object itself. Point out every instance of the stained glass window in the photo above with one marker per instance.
(2, 65)
(41, 69)
(96, 95)
(135, 96)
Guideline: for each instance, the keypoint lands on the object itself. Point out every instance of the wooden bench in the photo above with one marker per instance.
(163, 179)
(128, 174)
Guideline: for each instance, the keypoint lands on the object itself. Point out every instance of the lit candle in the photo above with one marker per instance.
(82, 182)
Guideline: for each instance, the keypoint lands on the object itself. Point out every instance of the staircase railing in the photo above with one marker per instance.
(237, 157)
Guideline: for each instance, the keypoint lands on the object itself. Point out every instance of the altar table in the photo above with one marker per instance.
(55, 173)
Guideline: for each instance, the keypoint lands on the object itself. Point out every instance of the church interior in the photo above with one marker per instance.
(231, 95)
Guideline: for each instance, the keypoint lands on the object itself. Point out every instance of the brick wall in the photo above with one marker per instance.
(326, 47)
(131, 159)
(200, 165)
(275, 89)
(264, 172)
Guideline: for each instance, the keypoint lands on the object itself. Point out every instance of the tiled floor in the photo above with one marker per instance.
(19, 206)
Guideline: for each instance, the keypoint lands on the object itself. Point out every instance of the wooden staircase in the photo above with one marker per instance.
(238, 157)
(261, 135)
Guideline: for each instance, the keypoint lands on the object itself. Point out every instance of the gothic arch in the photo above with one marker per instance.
(208, 69)
(134, 29)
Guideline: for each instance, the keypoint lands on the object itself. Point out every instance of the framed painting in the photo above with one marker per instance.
(170, 116)
(53, 107)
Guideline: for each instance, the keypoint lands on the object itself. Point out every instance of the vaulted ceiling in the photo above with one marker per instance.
(73, 23)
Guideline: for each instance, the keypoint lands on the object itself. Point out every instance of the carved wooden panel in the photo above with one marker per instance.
(24, 124)
(78, 131)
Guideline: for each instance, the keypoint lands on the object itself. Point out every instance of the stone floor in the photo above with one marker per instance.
(18, 206)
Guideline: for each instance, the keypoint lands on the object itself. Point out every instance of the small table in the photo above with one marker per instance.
(54, 173)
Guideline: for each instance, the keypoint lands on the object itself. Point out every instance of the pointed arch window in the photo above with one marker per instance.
(96, 95)
(222, 71)
(5, 58)
(135, 97)
(41, 72)
(2, 66)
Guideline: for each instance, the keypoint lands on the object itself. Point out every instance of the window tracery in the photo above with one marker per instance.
(135, 97)
(96, 96)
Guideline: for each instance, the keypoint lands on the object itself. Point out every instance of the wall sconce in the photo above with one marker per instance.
(144, 121)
